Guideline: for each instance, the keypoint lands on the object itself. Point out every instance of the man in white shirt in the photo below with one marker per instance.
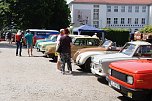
(58, 38)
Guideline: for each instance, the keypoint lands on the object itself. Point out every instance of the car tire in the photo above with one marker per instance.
(86, 66)
(38, 50)
(55, 58)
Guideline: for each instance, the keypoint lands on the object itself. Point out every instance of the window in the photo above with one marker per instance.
(80, 42)
(143, 8)
(115, 20)
(143, 21)
(122, 20)
(96, 6)
(115, 8)
(129, 8)
(96, 24)
(96, 14)
(108, 8)
(136, 20)
(129, 20)
(122, 8)
(136, 8)
(92, 42)
(108, 20)
(145, 51)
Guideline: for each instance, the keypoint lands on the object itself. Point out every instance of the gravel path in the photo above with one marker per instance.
(36, 79)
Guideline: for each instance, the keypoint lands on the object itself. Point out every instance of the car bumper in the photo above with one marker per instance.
(135, 94)
(96, 69)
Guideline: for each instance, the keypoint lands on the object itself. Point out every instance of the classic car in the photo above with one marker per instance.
(82, 57)
(131, 50)
(78, 43)
(43, 45)
(132, 78)
(51, 38)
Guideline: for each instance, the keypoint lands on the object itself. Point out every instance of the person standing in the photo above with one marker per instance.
(29, 41)
(9, 36)
(58, 38)
(18, 41)
(65, 53)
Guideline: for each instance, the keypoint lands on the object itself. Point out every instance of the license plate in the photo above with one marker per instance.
(56, 53)
(115, 85)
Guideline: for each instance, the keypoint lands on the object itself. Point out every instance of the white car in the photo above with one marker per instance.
(131, 50)
(83, 56)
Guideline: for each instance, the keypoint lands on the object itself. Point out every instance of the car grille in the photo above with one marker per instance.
(118, 75)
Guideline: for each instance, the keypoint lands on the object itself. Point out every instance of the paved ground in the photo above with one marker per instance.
(36, 79)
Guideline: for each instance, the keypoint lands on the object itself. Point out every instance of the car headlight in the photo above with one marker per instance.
(43, 47)
(130, 79)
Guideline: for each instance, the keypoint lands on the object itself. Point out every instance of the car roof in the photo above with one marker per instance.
(71, 35)
(140, 43)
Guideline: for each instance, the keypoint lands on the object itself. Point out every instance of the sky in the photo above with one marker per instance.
(68, 1)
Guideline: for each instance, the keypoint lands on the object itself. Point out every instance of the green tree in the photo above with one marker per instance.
(46, 14)
(146, 29)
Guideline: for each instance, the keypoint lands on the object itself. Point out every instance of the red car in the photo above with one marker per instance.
(132, 78)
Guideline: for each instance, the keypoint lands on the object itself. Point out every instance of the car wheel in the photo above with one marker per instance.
(38, 50)
(86, 66)
(55, 58)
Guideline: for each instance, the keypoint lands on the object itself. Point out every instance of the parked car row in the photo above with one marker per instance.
(79, 41)
(127, 69)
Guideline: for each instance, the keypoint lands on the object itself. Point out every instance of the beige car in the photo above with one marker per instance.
(78, 43)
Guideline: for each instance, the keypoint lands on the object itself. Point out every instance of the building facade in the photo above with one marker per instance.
(128, 14)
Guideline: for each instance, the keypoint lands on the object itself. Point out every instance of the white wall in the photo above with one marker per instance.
(87, 10)
(150, 15)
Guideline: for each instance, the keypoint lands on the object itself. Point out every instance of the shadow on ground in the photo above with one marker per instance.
(123, 98)
(80, 73)
(102, 80)
(7, 45)
(52, 60)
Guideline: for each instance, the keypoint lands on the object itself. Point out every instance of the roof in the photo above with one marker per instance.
(42, 30)
(87, 28)
(139, 43)
(142, 2)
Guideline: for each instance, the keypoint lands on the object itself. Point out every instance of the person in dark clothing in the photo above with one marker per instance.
(9, 36)
(65, 53)
(19, 40)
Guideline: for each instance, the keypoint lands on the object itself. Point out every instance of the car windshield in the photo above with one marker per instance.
(49, 37)
(107, 43)
(128, 49)
(53, 38)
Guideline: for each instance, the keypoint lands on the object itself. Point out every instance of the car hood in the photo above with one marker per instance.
(44, 40)
(90, 53)
(134, 66)
(97, 58)
(44, 43)
(92, 49)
